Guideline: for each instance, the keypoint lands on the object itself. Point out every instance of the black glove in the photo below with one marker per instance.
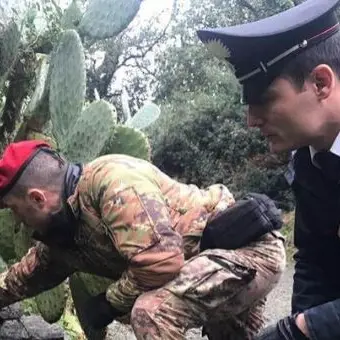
(99, 312)
(242, 223)
(284, 329)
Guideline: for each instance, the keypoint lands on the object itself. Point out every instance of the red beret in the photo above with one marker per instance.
(15, 159)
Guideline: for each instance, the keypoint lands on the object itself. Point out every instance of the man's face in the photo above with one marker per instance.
(288, 117)
(32, 210)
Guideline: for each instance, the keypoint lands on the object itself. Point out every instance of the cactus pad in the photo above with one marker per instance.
(9, 45)
(95, 284)
(68, 85)
(72, 16)
(125, 105)
(90, 132)
(37, 135)
(51, 303)
(80, 294)
(7, 224)
(145, 116)
(129, 141)
(107, 18)
(37, 113)
(22, 240)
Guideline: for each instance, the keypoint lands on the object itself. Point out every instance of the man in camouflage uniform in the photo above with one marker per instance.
(122, 218)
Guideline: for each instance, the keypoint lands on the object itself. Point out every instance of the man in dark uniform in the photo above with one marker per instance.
(289, 66)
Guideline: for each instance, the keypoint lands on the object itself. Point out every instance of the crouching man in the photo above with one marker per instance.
(179, 257)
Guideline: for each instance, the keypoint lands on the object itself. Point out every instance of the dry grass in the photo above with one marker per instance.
(288, 232)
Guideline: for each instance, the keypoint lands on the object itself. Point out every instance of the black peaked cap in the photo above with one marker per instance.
(259, 50)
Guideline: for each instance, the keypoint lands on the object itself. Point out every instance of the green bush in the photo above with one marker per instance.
(201, 145)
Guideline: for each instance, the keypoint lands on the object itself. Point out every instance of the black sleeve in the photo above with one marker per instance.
(316, 234)
(316, 280)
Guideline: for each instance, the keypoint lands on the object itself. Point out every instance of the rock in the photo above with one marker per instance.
(11, 312)
(13, 330)
(39, 329)
(15, 326)
(118, 331)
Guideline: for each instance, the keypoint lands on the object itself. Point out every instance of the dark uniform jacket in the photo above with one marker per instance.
(316, 288)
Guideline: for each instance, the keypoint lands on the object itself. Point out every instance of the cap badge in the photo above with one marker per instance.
(217, 48)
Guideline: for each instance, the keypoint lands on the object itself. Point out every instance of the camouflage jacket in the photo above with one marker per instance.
(136, 226)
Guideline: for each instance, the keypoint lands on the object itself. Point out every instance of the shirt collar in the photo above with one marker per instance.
(335, 149)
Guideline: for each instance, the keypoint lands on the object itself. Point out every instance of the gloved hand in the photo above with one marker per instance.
(284, 329)
(242, 223)
(99, 312)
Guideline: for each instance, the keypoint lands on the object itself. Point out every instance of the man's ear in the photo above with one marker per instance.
(323, 79)
(37, 197)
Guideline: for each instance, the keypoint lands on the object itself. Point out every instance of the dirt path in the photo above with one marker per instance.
(279, 299)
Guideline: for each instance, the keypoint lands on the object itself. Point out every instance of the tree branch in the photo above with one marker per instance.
(143, 68)
(148, 48)
(102, 77)
(247, 5)
(57, 8)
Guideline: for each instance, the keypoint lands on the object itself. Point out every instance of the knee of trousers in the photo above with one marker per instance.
(143, 314)
(269, 260)
(162, 314)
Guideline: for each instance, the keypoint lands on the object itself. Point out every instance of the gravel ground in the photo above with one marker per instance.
(279, 299)
(278, 305)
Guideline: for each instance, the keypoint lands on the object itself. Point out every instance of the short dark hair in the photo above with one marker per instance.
(326, 52)
(45, 171)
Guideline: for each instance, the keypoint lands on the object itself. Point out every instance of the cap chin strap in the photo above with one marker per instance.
(302, 45)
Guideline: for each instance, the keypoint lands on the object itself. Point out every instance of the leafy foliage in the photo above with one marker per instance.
(202, 135)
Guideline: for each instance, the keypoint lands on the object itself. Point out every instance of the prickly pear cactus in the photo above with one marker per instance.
(51, 303)
(7, 224)
(90, 132)
(145, 116)
(37, 112)
(22, 240)
(9, 45)
(80, 291)
(94, 284)
(72, 16)
(125, 105)
(68, 82)
(107, 18)
(37, 135)
(41, 85)
(129, 141)
(81, 133)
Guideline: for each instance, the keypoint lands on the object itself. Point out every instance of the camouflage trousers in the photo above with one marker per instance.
(222, 290)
